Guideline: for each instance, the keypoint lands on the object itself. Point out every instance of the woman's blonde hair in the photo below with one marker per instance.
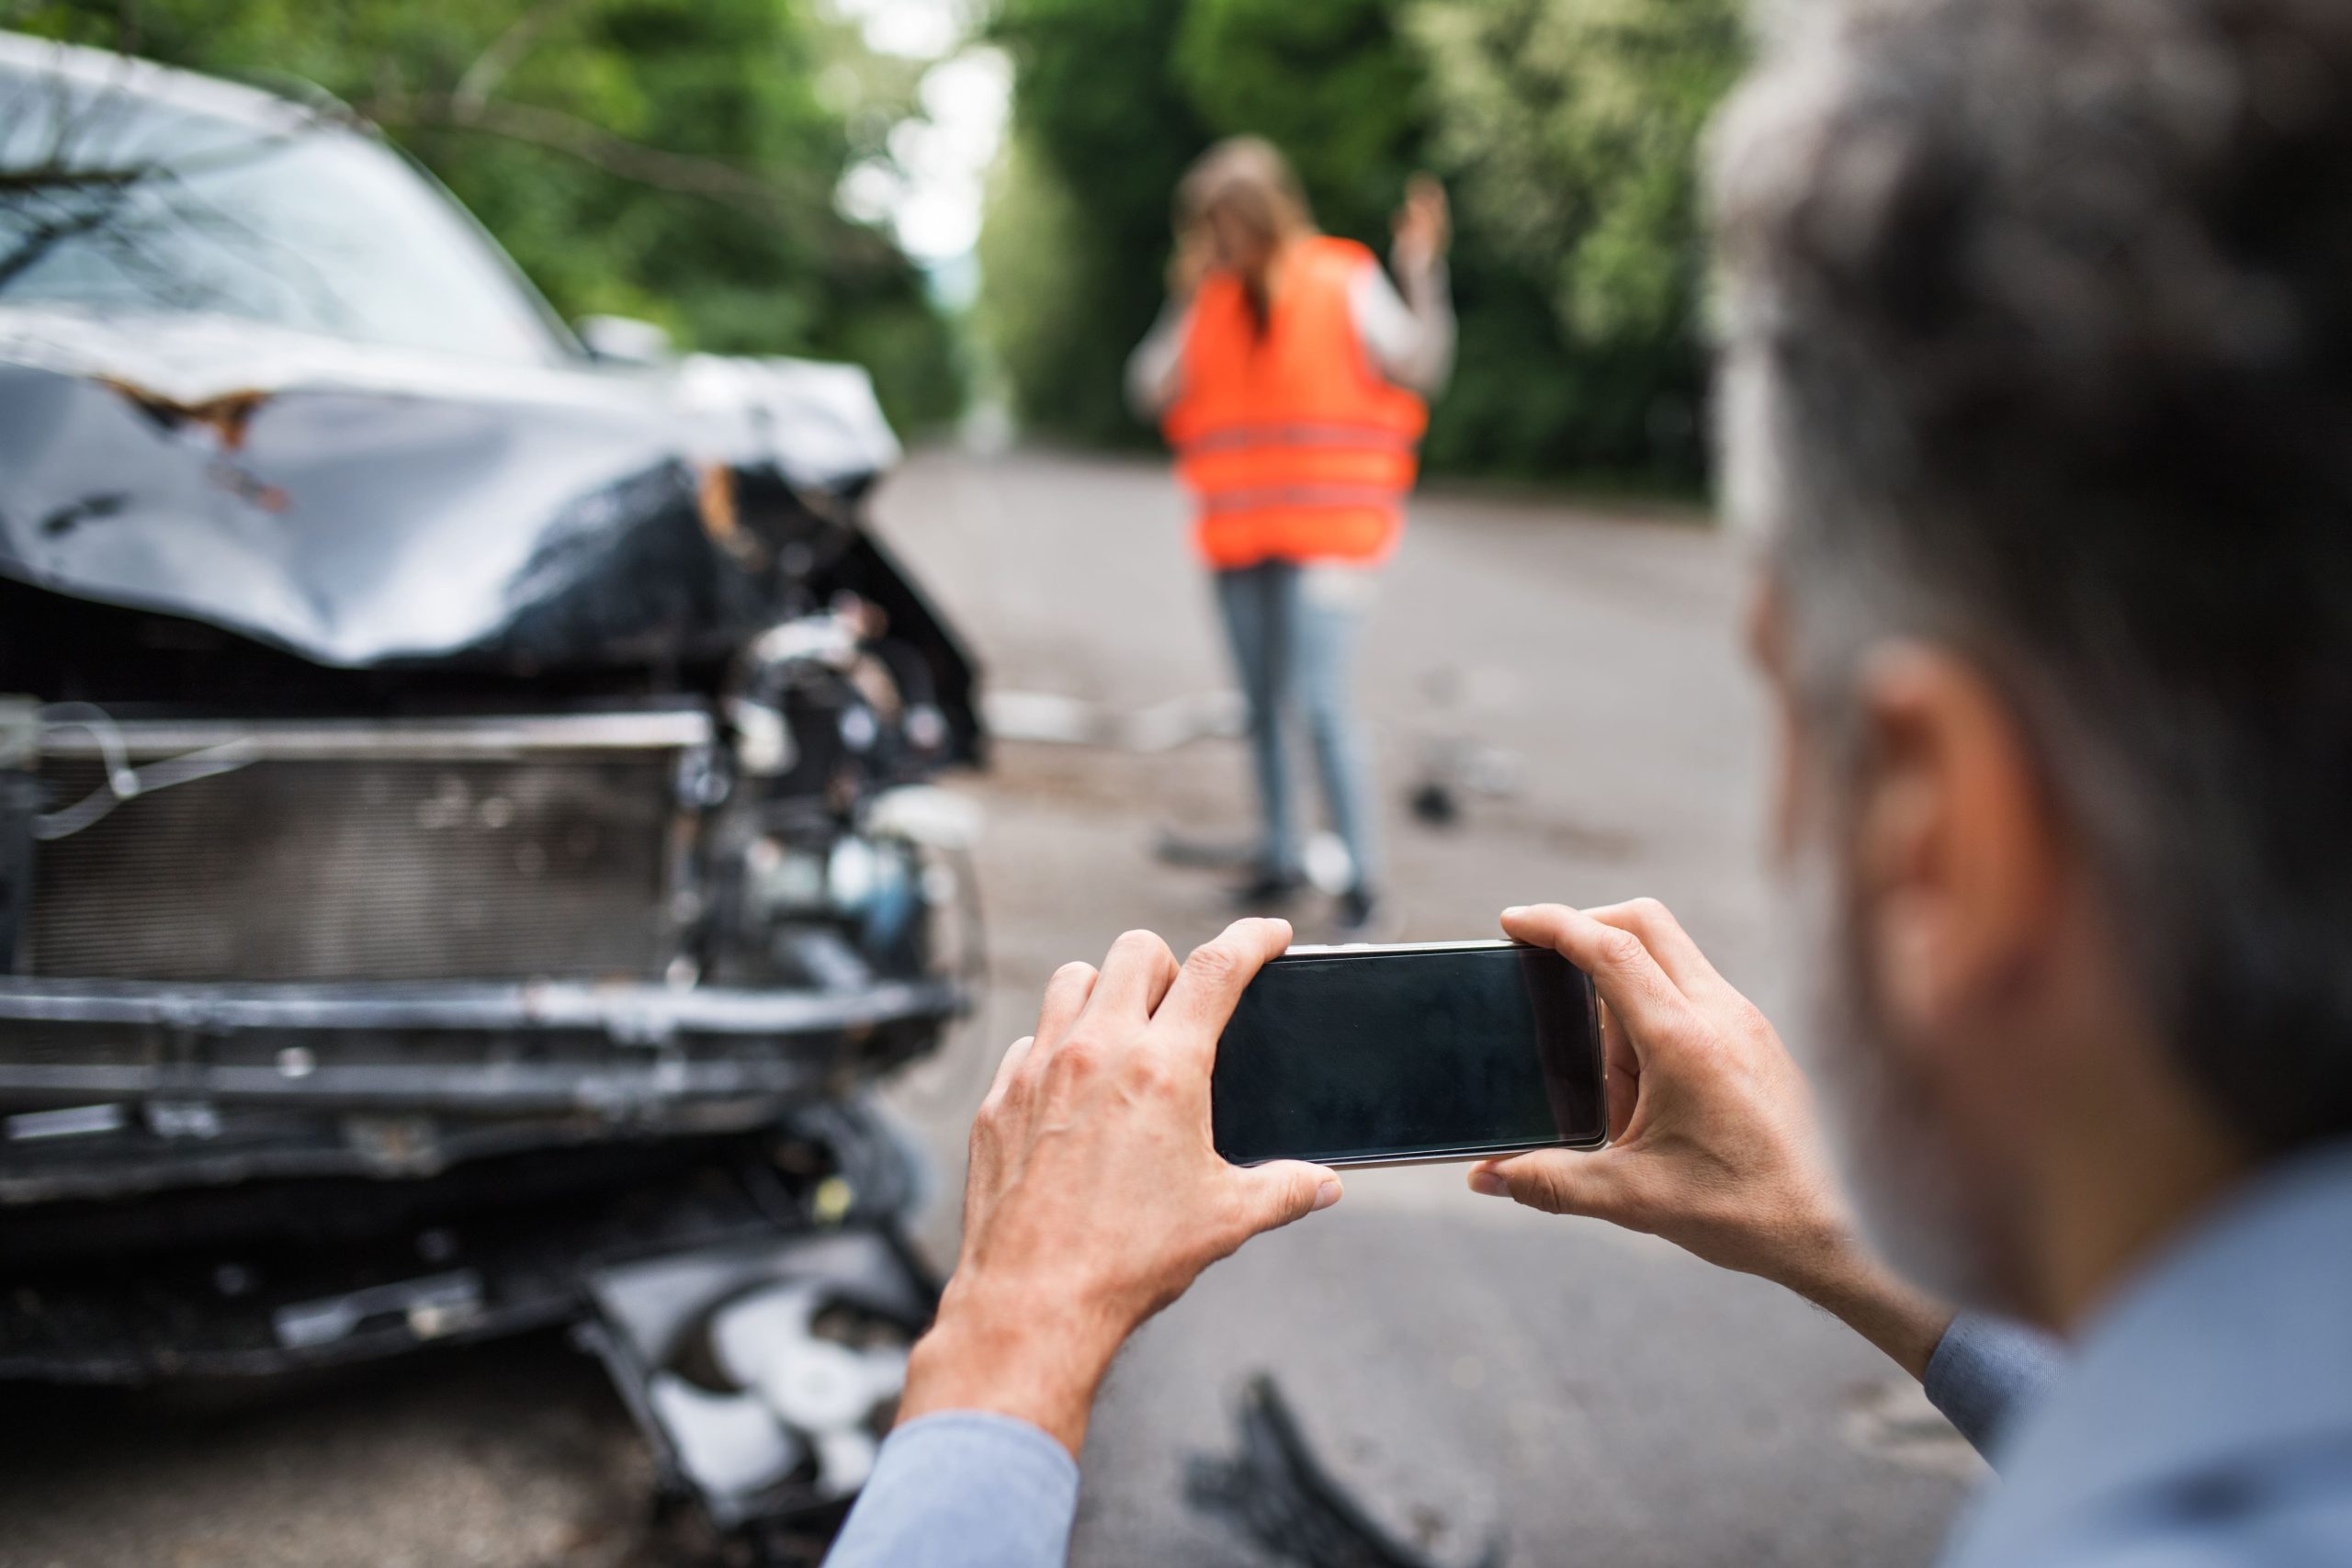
(1247, 179)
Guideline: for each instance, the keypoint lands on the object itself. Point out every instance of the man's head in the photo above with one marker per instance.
(2038, 389)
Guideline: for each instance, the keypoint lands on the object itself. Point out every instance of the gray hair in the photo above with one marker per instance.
(2037, 323)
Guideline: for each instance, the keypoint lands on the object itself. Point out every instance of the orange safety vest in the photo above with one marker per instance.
(1294, 446)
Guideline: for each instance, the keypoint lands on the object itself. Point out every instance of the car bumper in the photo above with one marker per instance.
(113, 1087)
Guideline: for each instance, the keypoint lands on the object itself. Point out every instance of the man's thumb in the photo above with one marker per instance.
(1559, 1181)
(1286, 1190)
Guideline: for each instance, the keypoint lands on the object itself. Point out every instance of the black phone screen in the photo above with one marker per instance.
(1356, 1056)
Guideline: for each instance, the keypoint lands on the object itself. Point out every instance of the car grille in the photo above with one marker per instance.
(364, 869)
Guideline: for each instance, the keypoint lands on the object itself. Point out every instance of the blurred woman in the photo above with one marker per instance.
(1288, 374)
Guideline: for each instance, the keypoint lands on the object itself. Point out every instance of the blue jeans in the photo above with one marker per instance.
(1294, 631)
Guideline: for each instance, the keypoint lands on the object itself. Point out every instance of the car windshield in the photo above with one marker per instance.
(118, 201)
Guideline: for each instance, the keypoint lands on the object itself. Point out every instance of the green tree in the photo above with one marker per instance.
(671, 159)
(1571, 135)
(1101, 129)
(1036, 258)
(1335, 85)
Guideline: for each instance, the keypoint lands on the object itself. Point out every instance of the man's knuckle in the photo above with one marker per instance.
(1622, 948)
(1148, 1073)
(1080, 1055)
(1213, 961)
(987, 1128)
(1648, 913)
(1063, 1075)
(1537, 1190)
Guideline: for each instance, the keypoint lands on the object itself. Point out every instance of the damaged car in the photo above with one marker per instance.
(469, 836)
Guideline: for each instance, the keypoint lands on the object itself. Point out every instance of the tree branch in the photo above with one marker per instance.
(591, 143)
(506, 51)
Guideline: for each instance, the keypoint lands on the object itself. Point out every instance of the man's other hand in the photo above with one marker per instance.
(1713, 1143)
(1095, 1196)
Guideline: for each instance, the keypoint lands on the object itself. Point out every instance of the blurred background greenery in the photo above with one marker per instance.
(1567, 128)
(686, 160)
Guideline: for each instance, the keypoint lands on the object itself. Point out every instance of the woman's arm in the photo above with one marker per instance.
(1156, 368)
(1408, 337)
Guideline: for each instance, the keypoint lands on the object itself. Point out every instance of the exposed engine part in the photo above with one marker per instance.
(277, 1275)
(766, 1374)
(432, 1307)
(117, 781)
(22, 796)
(798, 1401)
(534, 845)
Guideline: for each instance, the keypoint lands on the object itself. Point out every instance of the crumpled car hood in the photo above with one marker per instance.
(358, 505)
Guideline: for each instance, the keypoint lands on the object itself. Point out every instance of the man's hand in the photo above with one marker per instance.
(1713, 1143)
(1095, 1196)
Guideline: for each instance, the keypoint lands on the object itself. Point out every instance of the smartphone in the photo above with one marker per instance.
(1387, 1056)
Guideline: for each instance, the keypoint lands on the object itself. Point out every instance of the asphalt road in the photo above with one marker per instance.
(1475, 1370)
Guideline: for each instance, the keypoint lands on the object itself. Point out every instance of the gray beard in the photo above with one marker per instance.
(1907, 1185)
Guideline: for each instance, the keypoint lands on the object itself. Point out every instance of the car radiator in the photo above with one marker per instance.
(535, 858)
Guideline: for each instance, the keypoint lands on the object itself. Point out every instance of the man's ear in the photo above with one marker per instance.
(1954, 845)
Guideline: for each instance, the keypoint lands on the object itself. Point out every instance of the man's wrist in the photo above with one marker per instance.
(1024, 1354)
(1860, 1291)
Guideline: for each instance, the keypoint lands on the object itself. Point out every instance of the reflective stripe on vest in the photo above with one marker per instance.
(1295, 447)
(1298, 496)
(1242, 437)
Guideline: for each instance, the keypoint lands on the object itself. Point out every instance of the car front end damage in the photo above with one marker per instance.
(416, 931)
(470, 835)
(248, 948)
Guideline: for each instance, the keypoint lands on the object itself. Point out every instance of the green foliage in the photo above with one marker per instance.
(1572, 129)
(670, 159)
(1334, 85)
(1101, 130)
(1031, 266)
(1568, 130)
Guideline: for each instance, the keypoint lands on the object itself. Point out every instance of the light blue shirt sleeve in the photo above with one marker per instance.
(1985, 1371)
(963, 1489)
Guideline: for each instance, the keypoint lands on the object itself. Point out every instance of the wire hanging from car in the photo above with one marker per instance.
(124, 781)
